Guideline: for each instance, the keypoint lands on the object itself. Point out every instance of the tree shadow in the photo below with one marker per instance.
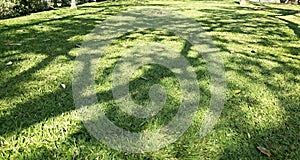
(249, 136)
(52, 42)
(286, 135)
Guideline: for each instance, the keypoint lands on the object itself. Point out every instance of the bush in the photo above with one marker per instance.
(21, 7)
(28, 6)
(12, 8)
(6, 9)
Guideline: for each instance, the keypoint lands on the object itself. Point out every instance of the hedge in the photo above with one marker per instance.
(12, 8)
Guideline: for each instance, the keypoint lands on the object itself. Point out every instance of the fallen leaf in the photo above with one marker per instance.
(264, 151)
(45, 40)
(20, 30)
(144, 78)
(237, 91)
(63, 86)
(16, 44)
(138, 55)
(7, 42)
(9, 63)
(264, 37)
(158, 49)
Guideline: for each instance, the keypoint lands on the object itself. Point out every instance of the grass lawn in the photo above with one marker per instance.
(260, 47)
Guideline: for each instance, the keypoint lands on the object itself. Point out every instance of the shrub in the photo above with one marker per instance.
(12, 8)
(6, 9)
(27, 6)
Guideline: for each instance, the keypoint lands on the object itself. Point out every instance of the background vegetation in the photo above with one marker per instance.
(12, 8)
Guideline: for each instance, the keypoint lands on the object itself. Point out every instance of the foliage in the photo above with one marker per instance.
(12, 8)
(27, 6)
(6, 9)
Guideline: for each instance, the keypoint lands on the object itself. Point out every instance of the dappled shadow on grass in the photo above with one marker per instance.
(117, 27)
(51, 37)
(282, 139)
(139, 88)
(36, 110)
(253, 61)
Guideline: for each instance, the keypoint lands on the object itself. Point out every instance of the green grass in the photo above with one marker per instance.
(38, 118)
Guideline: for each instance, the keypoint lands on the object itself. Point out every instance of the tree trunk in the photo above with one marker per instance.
(73, 4)
(55, 3)
(242, 2)
(288, 1)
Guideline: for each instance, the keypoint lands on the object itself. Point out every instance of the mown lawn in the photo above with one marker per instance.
(260, 47)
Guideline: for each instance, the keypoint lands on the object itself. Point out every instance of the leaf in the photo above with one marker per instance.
(45, 40)
(159, 49)
(237, 91)
(249, 135)
(7, 42)
(20, 30)
(138, 55)
(144, 78)
(63, 86)
(264, 151)
(16, 44)
(9, 63)
(264, 37)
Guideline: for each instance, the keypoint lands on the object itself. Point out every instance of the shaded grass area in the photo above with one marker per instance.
(260, 47)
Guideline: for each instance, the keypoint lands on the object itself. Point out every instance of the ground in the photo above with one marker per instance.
(259, 45)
